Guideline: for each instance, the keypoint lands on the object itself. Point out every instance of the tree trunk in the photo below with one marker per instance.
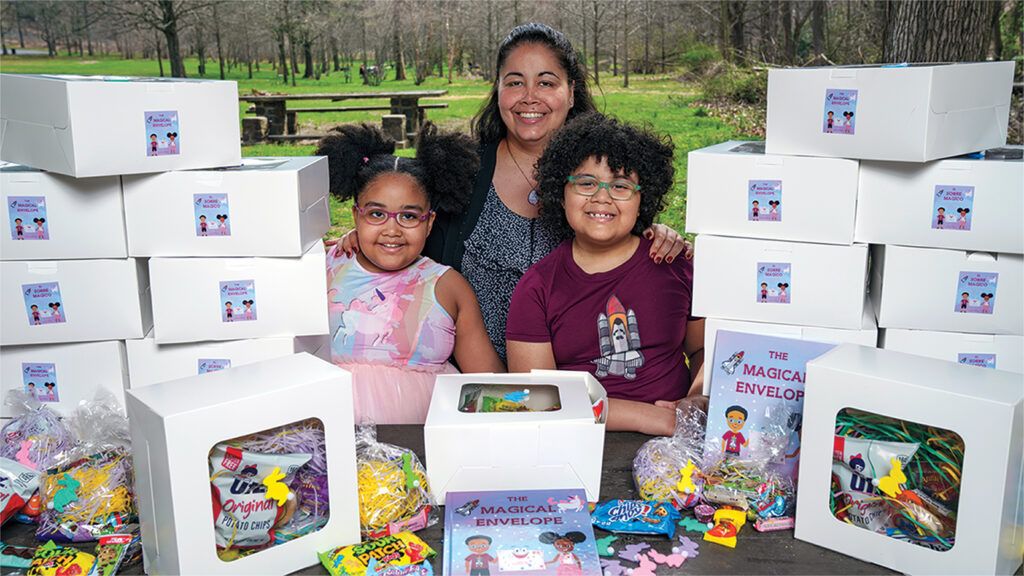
(615, 51)
(159, 53)
(335, 58)
(396, 40)
(294, 57)
(282, 55)
(625, 43)
(169, 27)
(18, 17)
(307, 55)
(86, 26)
(597, 24)
(938, 31)
(818, 9)
(997, 35)
(789, 43)
(737, 33)
(647, 37)
(216, 37)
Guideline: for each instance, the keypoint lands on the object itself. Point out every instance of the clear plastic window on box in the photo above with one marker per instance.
(268, 488)
(488, 398)
(897, 478)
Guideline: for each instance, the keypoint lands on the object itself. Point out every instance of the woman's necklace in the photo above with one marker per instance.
(532, 198)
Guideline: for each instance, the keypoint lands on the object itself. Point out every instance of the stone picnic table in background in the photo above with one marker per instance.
(281, 122)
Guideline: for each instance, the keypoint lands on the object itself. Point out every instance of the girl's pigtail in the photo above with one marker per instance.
(350, 151)
(449, 162)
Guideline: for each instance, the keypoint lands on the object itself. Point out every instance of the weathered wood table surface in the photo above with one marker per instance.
(756, 553)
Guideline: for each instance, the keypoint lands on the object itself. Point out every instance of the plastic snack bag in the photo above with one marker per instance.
(636, 517)
(393, 492)
(15, 556)
(113, 551)
(17, 486)
(53, 560)
(424, 569)
(402, 549)
(663, 467)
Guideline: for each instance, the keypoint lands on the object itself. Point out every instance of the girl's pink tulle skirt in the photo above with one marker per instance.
(390, 395)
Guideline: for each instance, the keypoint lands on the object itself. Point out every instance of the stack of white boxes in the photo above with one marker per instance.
(784, 226)
(113, 182)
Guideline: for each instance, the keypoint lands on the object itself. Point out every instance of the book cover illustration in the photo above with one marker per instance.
(521, 531)
(752, 374)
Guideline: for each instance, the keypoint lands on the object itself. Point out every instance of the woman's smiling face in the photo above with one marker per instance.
(534, 94)
(599, 220)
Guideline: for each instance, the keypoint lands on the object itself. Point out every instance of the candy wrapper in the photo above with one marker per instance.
(114, 551)
(17, 486)
(37, 438)
(250, 496)
(310, 480)
(663, 468)
(87, 498)
(393, 492)
(53, 560)
(402, 549)
(424, 569)
(636, 517)
(16, 556)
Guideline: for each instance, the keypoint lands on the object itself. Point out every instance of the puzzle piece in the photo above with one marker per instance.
(604, 546)
(688, 547)
(613, 568)
(631, 551)
(646, 568)
(674, 560)
(691, 524)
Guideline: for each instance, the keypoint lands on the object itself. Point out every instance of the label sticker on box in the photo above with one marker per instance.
(976, 292)
(952, 207)
(211, 214)
(40, 380)
(764, 200)
(982, 360)
(43, 303)
(840, 109)
(773, 279)
(28, 217)
(213, 364)
(162, 133)
(237, 301)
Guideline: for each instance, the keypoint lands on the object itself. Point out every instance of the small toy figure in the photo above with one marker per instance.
(733, 441)
(567, 561)
(479, 562)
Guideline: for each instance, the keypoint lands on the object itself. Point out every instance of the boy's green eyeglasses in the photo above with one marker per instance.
(619, 189)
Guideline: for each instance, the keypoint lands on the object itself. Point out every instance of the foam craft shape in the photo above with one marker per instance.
(604, 546)
(631, 551)
(691, 524)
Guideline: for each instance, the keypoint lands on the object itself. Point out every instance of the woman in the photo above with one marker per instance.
(597, 303)
(540, 85)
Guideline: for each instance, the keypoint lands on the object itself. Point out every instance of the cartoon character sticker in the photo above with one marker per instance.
(238, 301)
(773, 282)
(619, 341)
(840, 111)
(211, 215)
(40, 380)
(212, 364)
(976, 293)
(764, 199)
(859, 481)
(162, 137)
(733, 441)
(28, 217)
(981, 360)
(43, 303)
(951, 208)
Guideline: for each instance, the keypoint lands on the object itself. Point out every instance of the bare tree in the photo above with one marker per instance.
(938, 31)
(167, 16)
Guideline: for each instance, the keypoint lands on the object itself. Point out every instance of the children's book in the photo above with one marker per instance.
(524, 531)
(753, 378)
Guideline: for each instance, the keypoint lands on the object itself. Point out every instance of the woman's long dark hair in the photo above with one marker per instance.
(487, 125)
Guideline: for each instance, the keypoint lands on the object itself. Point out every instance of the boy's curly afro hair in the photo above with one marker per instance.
(625, 148)
(445, 165)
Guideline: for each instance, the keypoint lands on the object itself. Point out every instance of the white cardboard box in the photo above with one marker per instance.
(985, 350)
(985, 407)
(798, 197)
(903, 113)
(149, 362)
(98, 300)
(516, 450)
(826, 283)
(175, 424)
(922, 289)
(61, 218)
(77, 370)
(980, 200)
(107, 126)
(190, 297)
(867, 335)
(266, 207)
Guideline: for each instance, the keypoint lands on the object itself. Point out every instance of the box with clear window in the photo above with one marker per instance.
(540, 430)
(912, 463)
(269, 445)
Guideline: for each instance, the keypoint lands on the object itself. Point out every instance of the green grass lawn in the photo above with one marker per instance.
(660, 101)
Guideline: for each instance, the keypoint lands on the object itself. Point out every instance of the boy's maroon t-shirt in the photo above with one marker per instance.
(625, 326)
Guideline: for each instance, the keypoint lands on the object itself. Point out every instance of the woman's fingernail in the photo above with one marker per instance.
(657, 259)
(669, 259)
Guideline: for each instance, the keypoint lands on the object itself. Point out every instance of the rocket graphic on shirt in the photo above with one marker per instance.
(619, 341)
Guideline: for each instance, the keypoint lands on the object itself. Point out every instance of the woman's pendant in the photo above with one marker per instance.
(533, 198)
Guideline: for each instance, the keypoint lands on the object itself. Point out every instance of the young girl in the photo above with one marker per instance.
(566, 562)
(597, 302)
(395, 316)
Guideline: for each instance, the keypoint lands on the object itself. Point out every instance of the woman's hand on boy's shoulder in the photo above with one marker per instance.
(667, 244)
(348, 244)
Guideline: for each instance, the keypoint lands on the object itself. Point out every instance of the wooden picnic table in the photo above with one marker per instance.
(281, 121)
